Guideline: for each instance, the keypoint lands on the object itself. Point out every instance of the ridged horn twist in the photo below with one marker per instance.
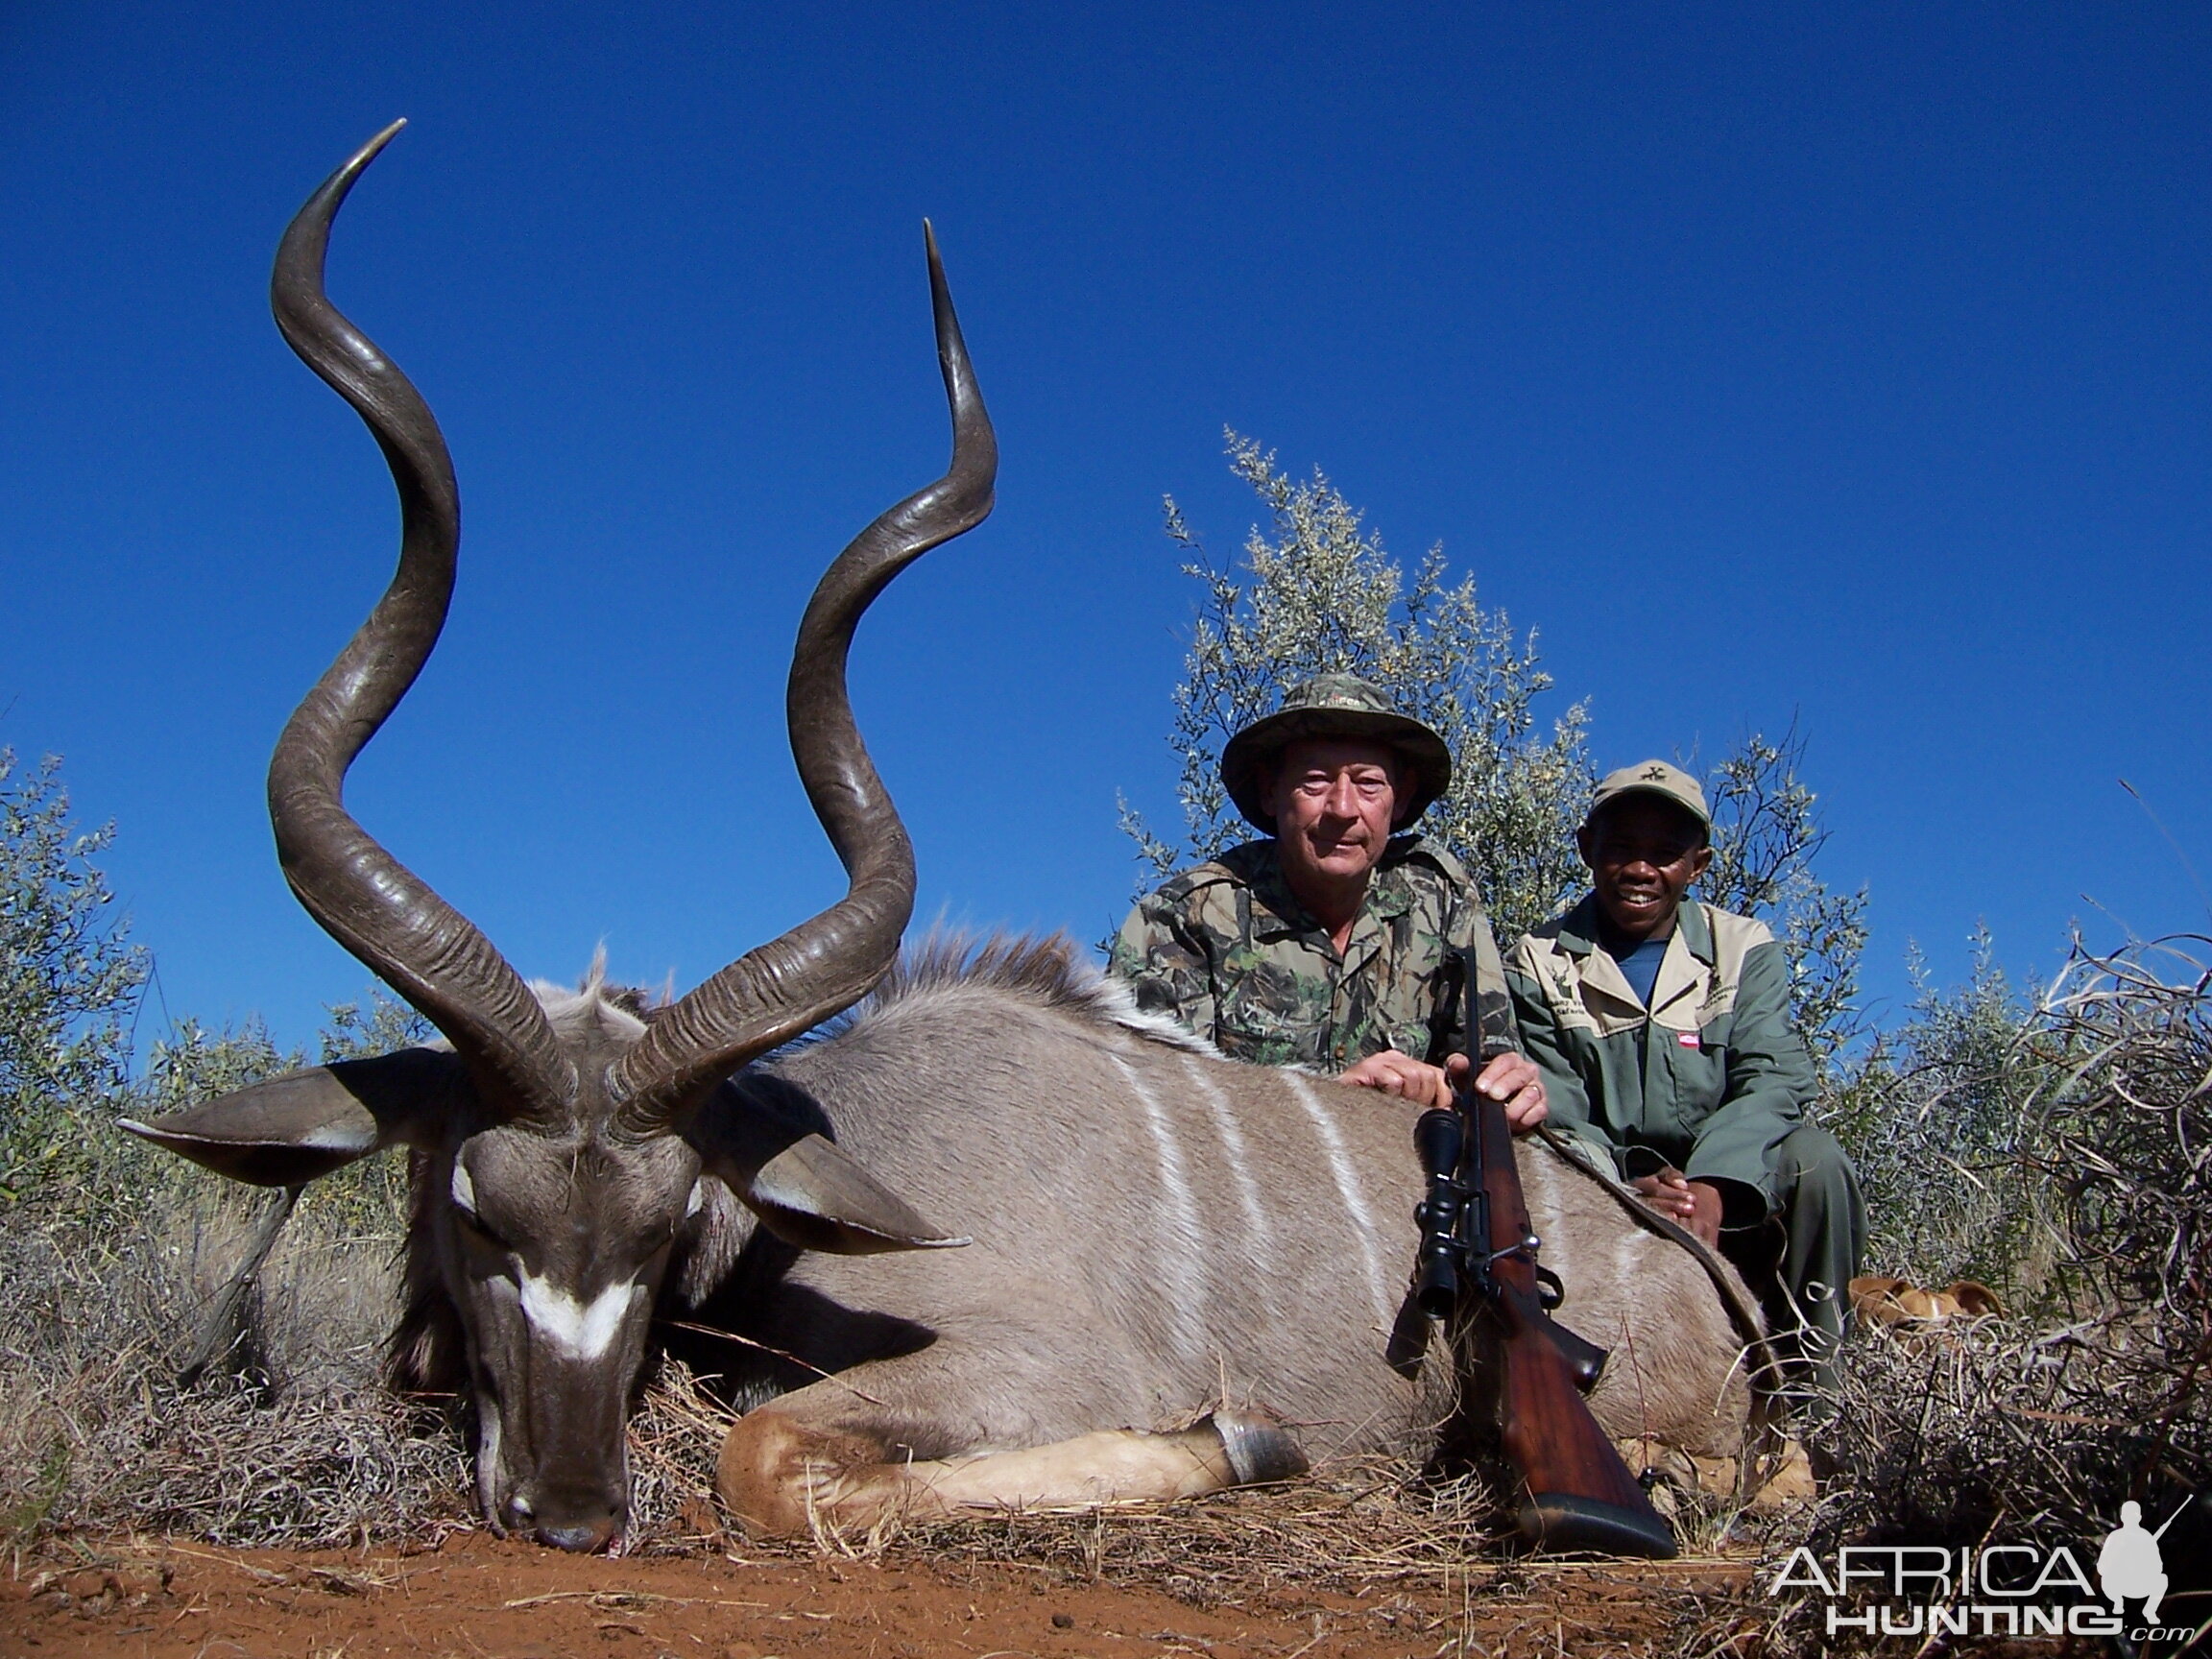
(365, 899)
(825, 965)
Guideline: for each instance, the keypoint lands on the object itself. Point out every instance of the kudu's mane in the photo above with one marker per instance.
(1049, 973)
(620, 1011)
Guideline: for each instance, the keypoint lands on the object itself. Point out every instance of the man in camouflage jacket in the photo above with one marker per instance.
(1662, 1026)
(1335, 944)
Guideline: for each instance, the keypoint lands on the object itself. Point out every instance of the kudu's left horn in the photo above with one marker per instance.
(364, 897)
(825, 965)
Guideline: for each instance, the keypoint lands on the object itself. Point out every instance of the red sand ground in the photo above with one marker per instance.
(476, 1597)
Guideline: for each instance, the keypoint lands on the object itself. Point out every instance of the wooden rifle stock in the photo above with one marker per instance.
(1579, 1494)
(1478, 1264)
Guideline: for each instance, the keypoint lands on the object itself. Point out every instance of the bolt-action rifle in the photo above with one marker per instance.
(1478, 1273)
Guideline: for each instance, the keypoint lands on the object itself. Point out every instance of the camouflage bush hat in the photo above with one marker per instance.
(1671, 784)
(1333, 706)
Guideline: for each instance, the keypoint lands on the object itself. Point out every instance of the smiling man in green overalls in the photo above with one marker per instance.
(1662, 1028)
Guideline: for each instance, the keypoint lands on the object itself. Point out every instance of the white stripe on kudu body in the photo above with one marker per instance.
(1238, 1162)
(1181, 1256)
(1626, 1253)
(577, 1329)
(1348, 1189)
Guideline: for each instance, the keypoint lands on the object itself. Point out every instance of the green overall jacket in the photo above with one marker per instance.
(1710, 1078)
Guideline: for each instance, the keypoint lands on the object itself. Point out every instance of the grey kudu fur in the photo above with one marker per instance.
(1149, 1230)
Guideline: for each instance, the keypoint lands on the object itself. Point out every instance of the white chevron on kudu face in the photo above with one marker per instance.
(580, 1331)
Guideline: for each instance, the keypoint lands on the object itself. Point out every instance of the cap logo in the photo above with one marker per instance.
(1654, 773)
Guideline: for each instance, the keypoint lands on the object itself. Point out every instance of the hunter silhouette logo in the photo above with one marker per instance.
(2131, 1564)
(1990, 1589)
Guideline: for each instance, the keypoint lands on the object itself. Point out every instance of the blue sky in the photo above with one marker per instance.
(1842, 363)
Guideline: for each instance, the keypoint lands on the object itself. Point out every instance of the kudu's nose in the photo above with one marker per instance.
(582, 1533)
(581, 1537)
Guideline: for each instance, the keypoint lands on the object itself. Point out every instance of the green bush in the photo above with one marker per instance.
(69, 987)
(1940, 1117)
(1316, 592)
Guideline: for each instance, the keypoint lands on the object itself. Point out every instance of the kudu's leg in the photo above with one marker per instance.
(799, 1462)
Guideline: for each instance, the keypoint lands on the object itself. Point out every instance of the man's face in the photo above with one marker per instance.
(1334, 801)
(1644, 853)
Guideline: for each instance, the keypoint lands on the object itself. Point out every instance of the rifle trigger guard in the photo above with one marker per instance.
(1551, 1291)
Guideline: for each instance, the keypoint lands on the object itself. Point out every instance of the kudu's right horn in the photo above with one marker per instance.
(826, 964)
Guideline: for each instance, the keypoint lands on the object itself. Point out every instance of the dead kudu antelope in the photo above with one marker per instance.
(1148, 1229)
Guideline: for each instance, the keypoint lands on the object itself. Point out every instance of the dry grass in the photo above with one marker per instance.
(1355, 1526)
(1996, 1428)
(1363, 1541)
(1363, 1538)
(291, 1442)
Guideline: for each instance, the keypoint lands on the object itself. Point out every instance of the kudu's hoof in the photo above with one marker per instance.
(1260, 1449)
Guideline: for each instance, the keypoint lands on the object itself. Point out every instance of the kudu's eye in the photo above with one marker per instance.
(472, 1224)
(658, 1242)
(474, 1227)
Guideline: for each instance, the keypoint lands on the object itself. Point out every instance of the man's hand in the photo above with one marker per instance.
(1402, 1075)
(1695, 1204)
(1511, 1079)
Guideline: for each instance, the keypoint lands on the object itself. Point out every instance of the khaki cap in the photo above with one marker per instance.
(1333, 706)
(1652, 778)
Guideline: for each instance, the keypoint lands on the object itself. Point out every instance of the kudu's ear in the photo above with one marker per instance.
(306, 1123)
(815, 1197)
(766, 1139)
